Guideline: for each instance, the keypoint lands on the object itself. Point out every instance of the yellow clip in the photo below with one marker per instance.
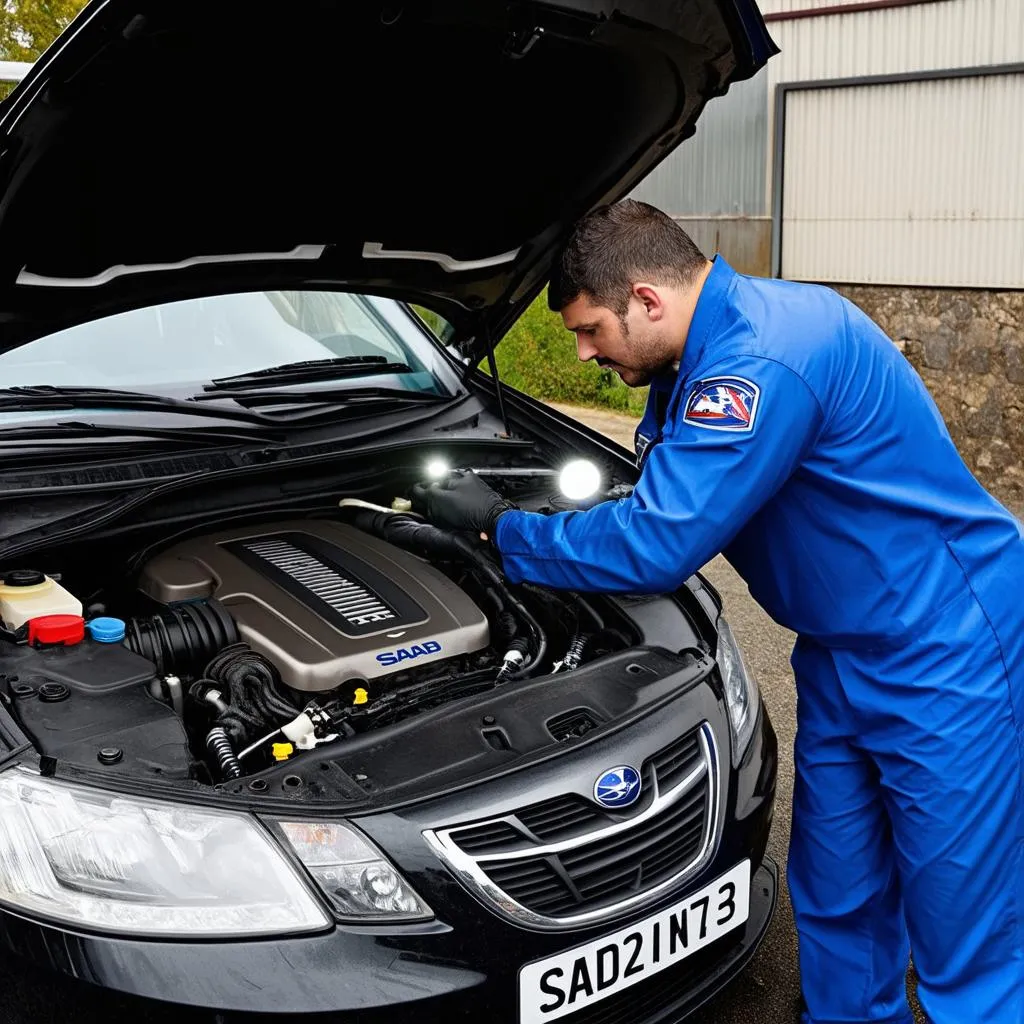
(361, 696)
(282, 751)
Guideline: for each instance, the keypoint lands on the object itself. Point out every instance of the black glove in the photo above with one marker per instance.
(462, 501)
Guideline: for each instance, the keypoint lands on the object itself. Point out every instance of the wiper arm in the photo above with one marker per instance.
(309, 371)
(187, 435)
(323, 406)
(45, 397)
(333, 397)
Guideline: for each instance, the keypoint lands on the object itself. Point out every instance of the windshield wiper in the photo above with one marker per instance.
(44, 397)
(316, 407)
(332, 397)
(186, 435)
(309, 371)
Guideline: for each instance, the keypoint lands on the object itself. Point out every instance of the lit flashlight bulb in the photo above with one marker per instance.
(437, 469)
(579, 479)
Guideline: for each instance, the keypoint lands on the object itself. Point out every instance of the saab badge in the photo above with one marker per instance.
(618, 787)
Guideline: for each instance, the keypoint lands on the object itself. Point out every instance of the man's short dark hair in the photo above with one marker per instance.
(615, 246)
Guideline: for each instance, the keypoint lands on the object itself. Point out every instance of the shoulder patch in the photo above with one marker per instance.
(723, 403)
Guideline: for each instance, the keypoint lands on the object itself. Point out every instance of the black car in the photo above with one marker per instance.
(269, 742)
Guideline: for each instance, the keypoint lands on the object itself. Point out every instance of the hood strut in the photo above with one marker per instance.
(492, 365)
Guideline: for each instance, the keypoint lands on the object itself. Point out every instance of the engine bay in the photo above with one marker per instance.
(327, 603)
(240, 649)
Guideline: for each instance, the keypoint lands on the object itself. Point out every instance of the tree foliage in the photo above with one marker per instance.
(27, 27)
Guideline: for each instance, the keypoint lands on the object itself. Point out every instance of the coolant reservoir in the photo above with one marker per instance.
(26, 594)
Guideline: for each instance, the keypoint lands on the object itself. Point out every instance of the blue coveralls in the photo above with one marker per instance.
(799, 441)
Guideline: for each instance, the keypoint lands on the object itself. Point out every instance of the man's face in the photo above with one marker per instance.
(637, 352)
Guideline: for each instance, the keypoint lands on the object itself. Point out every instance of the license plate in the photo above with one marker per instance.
(580, 977)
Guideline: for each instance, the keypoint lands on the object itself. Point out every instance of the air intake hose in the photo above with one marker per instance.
(182, 638)
(405, 531)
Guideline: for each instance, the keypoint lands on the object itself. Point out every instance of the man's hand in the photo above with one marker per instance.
(462, 501)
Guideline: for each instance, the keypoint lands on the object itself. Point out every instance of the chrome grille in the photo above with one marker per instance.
(566, 862)
(559, 818)
(351, 600)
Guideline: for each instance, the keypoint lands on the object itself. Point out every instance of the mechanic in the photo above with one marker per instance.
(785, 430)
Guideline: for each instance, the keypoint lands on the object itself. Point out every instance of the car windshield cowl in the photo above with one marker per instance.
(46, 397)
(70, 430)
(267, 396)
(279, 409)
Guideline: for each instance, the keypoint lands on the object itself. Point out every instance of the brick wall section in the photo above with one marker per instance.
(968, 347)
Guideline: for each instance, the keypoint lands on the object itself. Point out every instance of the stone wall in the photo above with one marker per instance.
(968, 347)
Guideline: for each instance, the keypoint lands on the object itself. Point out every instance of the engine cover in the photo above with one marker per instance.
(325, 602)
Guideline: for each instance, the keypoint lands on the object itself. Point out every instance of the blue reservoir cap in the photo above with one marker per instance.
(106, 630)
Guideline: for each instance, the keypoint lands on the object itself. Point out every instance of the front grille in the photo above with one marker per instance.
(490, 837)
(674, 762)
(561, 817)
(598, 874)
(640, 858)
(565, 857)
(536, 881)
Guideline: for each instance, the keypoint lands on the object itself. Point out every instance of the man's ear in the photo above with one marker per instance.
(652, 300)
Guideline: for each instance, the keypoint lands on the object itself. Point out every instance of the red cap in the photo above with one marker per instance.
(56, 629)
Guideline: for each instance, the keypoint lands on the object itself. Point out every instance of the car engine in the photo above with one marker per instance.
(325, 602)
(226, 652)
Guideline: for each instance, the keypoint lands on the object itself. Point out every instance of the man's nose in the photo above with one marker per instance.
(585, 349)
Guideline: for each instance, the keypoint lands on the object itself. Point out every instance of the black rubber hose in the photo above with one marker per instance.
(575, 651)
(252, 687)
(182, 637)
(219, 745)
(482, 564)
(414, 535)
(507, 669)
(506, 627)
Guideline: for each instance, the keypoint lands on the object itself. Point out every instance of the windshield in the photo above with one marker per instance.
(176, 347)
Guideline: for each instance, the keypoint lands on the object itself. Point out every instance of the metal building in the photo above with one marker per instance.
(716, 183)
(13, 71)
(892, 147)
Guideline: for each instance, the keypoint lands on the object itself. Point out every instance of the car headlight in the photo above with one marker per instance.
(741, 692)
(93, 859)
(354, 876)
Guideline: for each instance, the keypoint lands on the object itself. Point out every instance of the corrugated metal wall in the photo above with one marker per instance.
(715, 185)
(781, 6)
(905, 184)
(948, 34)
(721, 170)
(708, 183)
(916, 183)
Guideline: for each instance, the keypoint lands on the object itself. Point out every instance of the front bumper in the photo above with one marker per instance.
(463, 965)
(33, 994)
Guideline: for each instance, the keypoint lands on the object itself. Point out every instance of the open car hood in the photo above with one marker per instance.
(436, 151)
